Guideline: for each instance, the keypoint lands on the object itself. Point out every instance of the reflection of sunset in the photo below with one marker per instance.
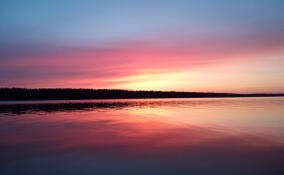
(146, 127)
(104, 131)
(155, 132)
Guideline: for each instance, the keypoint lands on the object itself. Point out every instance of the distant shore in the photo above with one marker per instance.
(81, 94)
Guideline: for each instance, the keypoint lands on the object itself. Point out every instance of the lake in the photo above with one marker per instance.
(145, 136)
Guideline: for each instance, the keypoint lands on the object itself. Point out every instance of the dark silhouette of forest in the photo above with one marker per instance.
(78, 94)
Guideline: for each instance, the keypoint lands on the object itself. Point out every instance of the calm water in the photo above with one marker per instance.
(151, 137)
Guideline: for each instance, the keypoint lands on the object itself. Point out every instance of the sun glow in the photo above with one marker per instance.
(153, 81)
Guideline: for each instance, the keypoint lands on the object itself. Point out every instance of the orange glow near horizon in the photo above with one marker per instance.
(225, 78)
(156, 66)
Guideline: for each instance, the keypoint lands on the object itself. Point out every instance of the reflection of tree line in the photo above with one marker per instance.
(75, 94)
(7, 109)
(56, 107)
(71, 94)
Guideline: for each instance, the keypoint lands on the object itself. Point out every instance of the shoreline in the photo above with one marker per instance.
(22, 94)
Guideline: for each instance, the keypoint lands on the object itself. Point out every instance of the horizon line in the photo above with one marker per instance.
(141, 90)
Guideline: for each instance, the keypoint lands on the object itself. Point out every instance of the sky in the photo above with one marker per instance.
(180, 45)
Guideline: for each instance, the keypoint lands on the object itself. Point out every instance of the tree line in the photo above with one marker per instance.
(76, 94)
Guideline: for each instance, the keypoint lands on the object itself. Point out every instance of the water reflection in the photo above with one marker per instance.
(22, 107)
(208, 136)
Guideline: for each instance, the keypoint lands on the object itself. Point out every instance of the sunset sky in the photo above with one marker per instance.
(181, 45)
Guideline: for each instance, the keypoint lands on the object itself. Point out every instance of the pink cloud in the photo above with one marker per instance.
(93, 67)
